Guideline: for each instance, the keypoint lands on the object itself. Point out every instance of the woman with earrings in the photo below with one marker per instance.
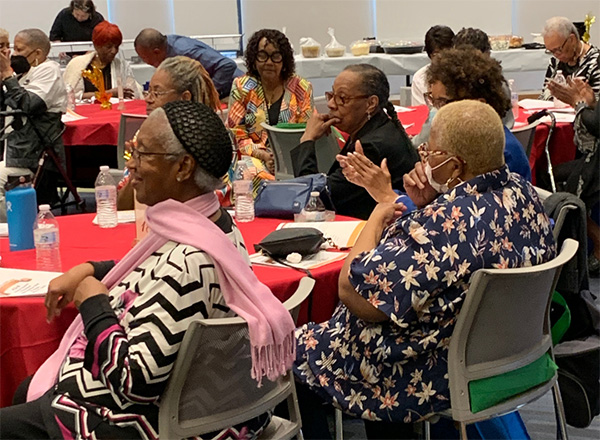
(270, 92)
(359, 106)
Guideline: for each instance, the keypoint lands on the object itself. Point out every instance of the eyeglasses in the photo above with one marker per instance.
(342, 100)
(263, 56)
(559, 50)
(436, 102)
(425, 154)
(136, 154)
(157, 94)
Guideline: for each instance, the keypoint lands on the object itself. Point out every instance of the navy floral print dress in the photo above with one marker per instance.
(418, 275)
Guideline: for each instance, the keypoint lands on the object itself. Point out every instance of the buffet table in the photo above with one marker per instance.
(27, 339)
(513, 60)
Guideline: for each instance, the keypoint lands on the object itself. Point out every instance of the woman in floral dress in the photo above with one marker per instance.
(383, 355)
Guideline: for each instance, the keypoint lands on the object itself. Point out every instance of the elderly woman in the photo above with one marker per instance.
(383, 355)
(33, 84)
(114, 362)
(270, 92)
(176, 79)
(572, 56)
(76, 22)
(454, 75)
(358, 105)
(106, 38)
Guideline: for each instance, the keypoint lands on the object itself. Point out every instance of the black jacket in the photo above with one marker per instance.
(380, 138)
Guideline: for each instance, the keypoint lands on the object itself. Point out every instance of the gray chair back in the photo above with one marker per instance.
(128, 127)
(503, 325)
(283, 141)
(525, 136)
(210, 387)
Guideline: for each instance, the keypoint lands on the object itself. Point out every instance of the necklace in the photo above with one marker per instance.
(270, 98)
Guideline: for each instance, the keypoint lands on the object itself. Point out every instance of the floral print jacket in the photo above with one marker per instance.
(419, 275)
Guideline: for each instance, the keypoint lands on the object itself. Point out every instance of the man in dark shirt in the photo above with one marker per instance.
(153, 47)
(76, 22)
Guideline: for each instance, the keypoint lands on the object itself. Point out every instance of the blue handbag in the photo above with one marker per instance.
(283, 199)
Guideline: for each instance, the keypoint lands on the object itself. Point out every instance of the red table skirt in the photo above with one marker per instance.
(27, 339)
(562, 147)
(101, 127)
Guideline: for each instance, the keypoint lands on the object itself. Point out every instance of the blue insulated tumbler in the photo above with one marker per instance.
(21, 212)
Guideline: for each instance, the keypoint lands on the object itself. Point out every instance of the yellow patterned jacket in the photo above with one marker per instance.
(248, 108)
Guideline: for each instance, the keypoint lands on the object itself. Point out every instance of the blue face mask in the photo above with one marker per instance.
(432, 112)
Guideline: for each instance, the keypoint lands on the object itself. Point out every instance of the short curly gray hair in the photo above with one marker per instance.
(561, 26)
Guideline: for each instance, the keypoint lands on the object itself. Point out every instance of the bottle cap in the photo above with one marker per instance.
(104, 168)
(315, 193)
(44, 207)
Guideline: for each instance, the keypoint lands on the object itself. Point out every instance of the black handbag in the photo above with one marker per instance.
(283, 199)
(282, 242)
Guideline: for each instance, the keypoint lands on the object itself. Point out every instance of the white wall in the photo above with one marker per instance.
(530, 15)
(410, 19)
(351, 19)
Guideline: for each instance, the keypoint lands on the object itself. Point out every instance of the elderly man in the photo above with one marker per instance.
(34, 85)
(153, 47)
(383, 355)
(115, 360)
(570, 55)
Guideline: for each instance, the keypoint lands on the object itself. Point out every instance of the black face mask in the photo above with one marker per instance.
(19, 64)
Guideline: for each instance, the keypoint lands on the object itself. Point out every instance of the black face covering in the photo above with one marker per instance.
(19, 64)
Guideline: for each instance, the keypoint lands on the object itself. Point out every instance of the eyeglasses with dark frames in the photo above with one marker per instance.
(558, 50)
(342, 100)
(263, 56)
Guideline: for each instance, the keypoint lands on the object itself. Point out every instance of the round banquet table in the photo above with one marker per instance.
(562, 147)
(100, 127)
(26, 339)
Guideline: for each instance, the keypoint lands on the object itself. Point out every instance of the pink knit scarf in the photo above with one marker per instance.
(270, 325)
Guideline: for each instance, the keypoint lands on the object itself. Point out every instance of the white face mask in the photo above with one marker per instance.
(439, 187)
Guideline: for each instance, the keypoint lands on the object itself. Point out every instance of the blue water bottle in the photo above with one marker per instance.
(21, 212)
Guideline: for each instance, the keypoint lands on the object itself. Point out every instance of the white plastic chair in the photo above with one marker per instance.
(284, 140)
(525, 135)
(210, 387)
(503, 325)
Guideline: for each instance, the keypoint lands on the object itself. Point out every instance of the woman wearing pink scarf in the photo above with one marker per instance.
(114, 362)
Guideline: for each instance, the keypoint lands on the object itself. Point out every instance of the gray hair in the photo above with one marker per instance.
(473, 131)
(561, 26)
(36, 39)
(4, 34)
(188, 74)
(204, 181)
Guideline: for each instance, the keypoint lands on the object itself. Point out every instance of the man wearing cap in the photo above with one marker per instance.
(114, 362)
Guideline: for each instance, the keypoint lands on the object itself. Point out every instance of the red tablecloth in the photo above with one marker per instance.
(562, 147)
(26, 340)
(101, 127)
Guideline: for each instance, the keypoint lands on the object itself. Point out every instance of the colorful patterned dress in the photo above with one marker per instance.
(418, 275)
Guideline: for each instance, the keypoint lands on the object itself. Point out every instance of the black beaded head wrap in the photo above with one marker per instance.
(202, 134)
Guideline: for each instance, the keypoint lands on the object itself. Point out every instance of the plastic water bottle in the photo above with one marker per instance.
(106, 199)
(514, 98)
(21, 210)
(47, 241)
(70, 98)
(244, 200)
(559, 78)
(314, 211)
